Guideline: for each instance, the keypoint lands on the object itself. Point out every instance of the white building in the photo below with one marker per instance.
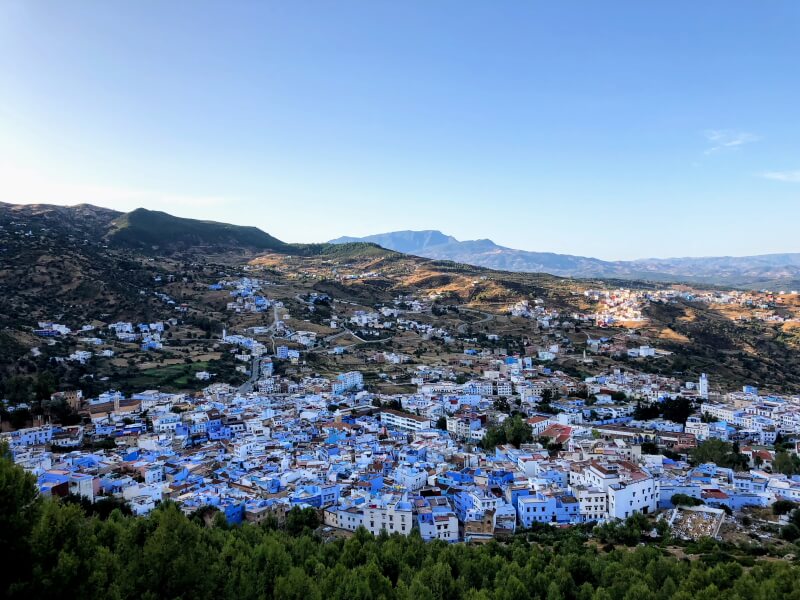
(410, 477)
(394, 419)
(624, 499)
(439, 525)
(352, 380)
(702, 386)
(392, 517)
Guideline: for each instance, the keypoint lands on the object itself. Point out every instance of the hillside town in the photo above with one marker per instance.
(371, 300)
(409, 414)
(519, 444)
(480, 443)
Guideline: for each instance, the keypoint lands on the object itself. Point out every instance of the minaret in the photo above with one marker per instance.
(703, 386)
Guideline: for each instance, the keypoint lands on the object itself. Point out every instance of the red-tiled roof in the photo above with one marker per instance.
(715, 494)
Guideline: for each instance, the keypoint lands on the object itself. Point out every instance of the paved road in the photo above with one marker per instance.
(360, 339)
(486, 317)
(255, 371)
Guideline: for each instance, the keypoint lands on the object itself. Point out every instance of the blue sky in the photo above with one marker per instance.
(609, 129)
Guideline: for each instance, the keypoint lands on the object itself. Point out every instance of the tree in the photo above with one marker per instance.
(441, 423)
(19, 511)
(299, 520)
(20, 418)
(494, 436)
(781, 443)
(781, 507)
(17, 389)
(720, 453)
(518, 432)
(785, 463)
(175, 556)
(296, 585)
(685, 500)
(501, 405)
(45, 385)
(512, 431)
(711, 450)
(790, 532)
(394, 404)
(646, 411)
(649, 448)
(627, 532)
(677, 409)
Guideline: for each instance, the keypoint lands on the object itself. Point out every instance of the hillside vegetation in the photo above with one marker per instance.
(84, 263)
(149, 230)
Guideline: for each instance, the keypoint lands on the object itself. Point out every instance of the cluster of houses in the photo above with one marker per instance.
(545, 317)
(747, 416)
(367, 323)
(412, 462)
(617, 306)
(245, 294)
(147, 335)
(622, 306)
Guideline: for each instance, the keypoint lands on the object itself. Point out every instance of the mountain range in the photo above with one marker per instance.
(83, 263)
(154, 232)
(769, 270)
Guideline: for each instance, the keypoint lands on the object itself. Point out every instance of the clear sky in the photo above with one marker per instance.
(609, 129)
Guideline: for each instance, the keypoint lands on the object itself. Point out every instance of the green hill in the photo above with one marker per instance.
(355, 250)
(155, 231)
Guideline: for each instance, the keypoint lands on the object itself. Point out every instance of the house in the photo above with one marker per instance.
(394, 419)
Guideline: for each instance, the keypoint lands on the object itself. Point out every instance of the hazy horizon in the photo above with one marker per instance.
(422, 230)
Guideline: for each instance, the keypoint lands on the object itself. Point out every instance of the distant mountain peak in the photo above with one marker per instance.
(410, 242)
(752, 271)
